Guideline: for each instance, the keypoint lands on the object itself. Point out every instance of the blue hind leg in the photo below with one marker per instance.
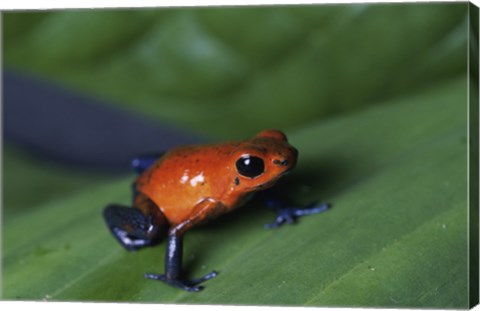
(143, 162)
(136, 227)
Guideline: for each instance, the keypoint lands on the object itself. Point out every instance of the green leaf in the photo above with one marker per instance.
(396, 236)
(230, 72)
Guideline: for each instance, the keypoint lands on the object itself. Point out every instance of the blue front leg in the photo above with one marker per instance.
(288, 212)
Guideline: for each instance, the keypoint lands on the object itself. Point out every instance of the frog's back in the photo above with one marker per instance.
(183, 177)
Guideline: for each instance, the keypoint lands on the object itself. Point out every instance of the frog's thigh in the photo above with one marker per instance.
(203, 212)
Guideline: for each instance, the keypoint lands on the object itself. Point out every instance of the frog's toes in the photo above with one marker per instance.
(312, 208)
(188, 285)
(290, 214)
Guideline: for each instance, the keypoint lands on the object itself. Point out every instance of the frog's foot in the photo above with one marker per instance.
(289, 214)
(188, 285)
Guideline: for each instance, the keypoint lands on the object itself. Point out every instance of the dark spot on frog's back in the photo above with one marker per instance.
(237, 181)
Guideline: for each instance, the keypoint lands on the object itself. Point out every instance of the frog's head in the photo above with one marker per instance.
(262, 160)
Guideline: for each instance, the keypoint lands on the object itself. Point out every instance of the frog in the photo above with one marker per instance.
(189, 186)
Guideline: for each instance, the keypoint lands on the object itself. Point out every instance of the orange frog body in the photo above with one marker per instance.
(192, 185)
(207, 179)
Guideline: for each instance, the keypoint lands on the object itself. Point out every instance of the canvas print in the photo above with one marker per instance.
(284, 155)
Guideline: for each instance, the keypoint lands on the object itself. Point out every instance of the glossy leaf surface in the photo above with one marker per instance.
(396, 236)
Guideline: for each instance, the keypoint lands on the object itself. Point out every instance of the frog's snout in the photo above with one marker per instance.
(288, 159)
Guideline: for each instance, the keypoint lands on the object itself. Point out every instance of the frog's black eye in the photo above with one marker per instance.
(250, 166)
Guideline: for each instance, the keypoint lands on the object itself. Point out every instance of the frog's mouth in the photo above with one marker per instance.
(264, 185)
(286, 172)
(272, 182)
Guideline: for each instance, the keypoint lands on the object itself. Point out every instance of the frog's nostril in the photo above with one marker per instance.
(283, 162)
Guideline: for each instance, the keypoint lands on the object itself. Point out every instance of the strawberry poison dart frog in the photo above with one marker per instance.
(191, 185)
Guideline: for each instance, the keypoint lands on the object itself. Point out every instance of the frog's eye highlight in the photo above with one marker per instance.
(250, 166)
